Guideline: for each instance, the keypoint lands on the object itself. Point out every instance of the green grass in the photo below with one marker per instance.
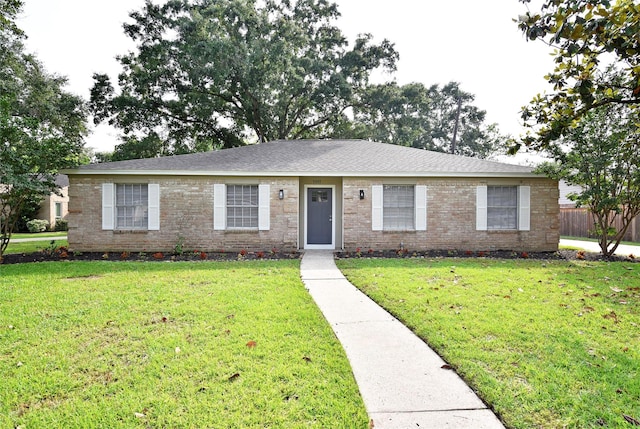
(546, 344)
(138, 345)
(32, 246)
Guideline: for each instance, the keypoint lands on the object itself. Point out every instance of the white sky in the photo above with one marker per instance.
(473, 42)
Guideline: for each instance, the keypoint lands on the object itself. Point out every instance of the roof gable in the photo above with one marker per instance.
(313, 158)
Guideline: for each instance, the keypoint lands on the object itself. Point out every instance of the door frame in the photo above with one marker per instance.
(331, 246)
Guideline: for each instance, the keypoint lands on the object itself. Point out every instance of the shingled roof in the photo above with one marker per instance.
(356, 158)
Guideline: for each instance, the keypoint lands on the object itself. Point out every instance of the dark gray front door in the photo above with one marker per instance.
(319, 212)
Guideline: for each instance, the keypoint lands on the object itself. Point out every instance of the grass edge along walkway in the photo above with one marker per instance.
(546, 344)
(202, 344)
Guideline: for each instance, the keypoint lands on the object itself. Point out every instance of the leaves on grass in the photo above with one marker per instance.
(306, 358)
(634, 422)
(251, 344)
(178, 350)
(446, 366)
(140, 415)
(615, 289)
(234, 377)
(613, 316)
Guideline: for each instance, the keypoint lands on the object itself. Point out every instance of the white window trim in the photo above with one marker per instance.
(420, 207)
(524, 209)
(220, 208)
(109, 207)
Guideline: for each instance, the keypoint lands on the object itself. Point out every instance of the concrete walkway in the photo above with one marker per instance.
(400, 378)
(590, 246)
(27, 240)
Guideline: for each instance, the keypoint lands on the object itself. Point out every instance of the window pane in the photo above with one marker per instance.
(132, 202)
(242, 206)
(398, 207)
(502, 207)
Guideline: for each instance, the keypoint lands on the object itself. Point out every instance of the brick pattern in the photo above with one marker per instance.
(186, 210)
(451, 218)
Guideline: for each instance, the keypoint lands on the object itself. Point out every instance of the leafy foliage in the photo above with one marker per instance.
(41, 127)
(425, 117)
(210, 74)
(215, 73)
(588, 36)
(602, 155)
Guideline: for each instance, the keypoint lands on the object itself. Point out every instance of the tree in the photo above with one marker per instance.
(425, 117)
(41, 126)
(601, 154)
(588, 36)
(216, 73)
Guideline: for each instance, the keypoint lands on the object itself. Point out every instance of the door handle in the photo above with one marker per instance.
(330, 219)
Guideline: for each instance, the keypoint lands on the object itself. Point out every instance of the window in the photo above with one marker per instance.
(502, 207)
(242, 206)
(398, 209)
(132, 206)
(58, 211)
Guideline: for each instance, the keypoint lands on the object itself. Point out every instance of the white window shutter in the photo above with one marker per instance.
(154, 207)
(219, 206)
(108, 206)
(524, 208)
(421, 208)
(481, 208)
(376, 208)
(264, 207)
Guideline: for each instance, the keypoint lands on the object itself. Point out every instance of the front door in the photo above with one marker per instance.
(319, 218)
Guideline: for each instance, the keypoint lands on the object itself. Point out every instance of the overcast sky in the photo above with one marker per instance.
(472, 42)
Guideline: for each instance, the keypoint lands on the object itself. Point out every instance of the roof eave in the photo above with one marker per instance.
(299, 173)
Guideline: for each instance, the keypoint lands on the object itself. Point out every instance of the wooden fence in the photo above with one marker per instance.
(576, 222)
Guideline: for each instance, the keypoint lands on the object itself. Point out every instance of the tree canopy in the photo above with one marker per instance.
(219, 73)
(42, 127)
(215, 73)
(588, 37)
(601, 154)
(424, 117)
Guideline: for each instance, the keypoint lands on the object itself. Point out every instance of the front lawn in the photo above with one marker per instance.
(34, 246)
(546, 344)
(176, 345)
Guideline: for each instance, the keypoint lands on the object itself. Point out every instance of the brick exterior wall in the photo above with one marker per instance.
(451, 218)
(186, 210)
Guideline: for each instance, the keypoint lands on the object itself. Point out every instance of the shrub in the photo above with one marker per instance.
(62, 225)
(37, 225)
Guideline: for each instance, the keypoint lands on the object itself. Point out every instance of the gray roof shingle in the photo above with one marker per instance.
(313, 158)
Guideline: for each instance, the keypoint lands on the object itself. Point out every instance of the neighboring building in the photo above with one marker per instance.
(312, 194)
(54, 206)
(565, 190)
